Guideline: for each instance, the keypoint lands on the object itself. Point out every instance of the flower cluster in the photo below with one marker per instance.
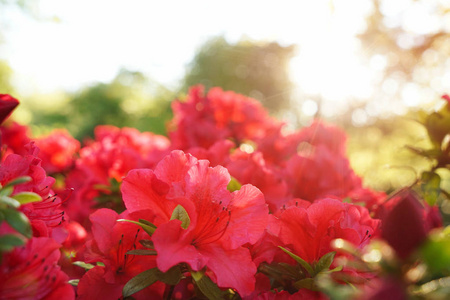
(230, 206)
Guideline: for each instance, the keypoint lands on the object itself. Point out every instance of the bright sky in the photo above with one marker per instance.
(95, 38)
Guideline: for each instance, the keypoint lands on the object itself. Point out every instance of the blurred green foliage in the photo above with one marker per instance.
(379, 153)
(130, 100)
(258, 70)
(5, 78)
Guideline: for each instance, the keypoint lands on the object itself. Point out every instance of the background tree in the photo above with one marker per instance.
(409, 43)
(130, 100)
(258, 70)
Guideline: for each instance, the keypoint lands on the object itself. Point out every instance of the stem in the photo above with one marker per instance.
(169, 291)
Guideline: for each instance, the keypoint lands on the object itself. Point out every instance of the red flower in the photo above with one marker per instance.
(253, 169)
(220, 222)
(406, 222)
(57, 151)
(201, 120)
(217, 154)
(14, 137)
(111, 240)
(44, 215)
(309, 229)
(31, 272)
(317, 172)
(113, 153)
(7, 105)
(326, 135)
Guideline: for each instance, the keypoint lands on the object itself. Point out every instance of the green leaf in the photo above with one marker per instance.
(337, 269)
(172, 276)
(74, 282)
(302, 262)
(6, 191)
(148, 277)
(179, 213)
(9, 201)
(140, 282)
(18, 221)
(27, 197)
(435, 252)
(9, 241)
(306, 283)
(18, 180)
(431, 183)
(83, 265)
(324, 263)
(207, 286)
(147, 223)
(147, 244)
(292, 271)
(234, 185)
(142, 252)
(147, 228)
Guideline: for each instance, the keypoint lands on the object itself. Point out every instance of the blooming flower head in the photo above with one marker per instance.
(14, 138)
(316, 172)
(220, 222)
(57, 151)
(31, 272)
(111, 240)
(44, 215)
(309, 228)
(109, 157)
(201, 120)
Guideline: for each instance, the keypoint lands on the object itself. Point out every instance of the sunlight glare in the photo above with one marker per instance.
(327, 65)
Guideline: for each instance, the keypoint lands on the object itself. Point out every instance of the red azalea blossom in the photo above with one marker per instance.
(326, 135)
(317, 172)
(109, 245)
(113, 153)
(44, 215)
(14, 138)
(252, 168)
(202, 120)
(57, 151)
(220, 222)
(309, 228)
(31, 272)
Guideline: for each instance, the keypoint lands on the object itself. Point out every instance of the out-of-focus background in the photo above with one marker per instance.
(368, 66)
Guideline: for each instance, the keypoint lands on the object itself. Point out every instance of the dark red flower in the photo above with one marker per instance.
(406, 221)
(7, 105)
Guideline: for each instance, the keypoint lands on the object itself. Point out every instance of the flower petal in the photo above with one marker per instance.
(173, 245)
